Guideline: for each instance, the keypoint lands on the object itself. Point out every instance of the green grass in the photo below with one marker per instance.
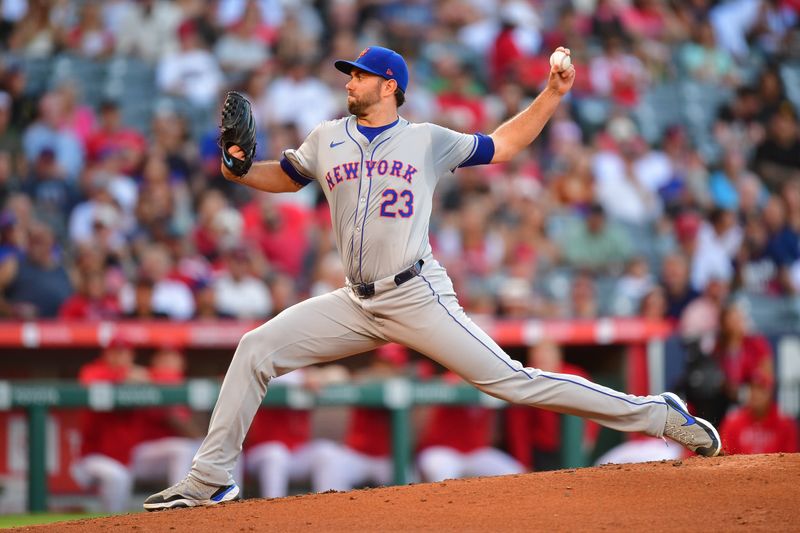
(18, 520)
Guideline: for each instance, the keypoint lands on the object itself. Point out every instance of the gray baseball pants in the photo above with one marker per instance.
(422, 314)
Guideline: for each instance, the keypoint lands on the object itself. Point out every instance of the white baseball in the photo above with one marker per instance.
(560, 60)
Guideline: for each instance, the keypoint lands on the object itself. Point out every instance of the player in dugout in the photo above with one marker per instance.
(122, 446)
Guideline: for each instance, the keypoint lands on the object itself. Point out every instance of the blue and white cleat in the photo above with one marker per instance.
(191, 493)
(694, 433)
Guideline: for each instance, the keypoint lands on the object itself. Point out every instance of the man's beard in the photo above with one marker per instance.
(360, 107)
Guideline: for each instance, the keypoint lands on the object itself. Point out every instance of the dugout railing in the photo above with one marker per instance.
(38, 349)
(398, 395)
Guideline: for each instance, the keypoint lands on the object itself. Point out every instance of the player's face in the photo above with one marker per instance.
(363, 92)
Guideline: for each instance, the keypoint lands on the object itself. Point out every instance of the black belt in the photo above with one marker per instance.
(367, 290)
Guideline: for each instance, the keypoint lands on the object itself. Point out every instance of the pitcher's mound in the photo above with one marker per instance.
(747, 493)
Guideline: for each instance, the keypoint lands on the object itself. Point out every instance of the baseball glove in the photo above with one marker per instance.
(237, 128)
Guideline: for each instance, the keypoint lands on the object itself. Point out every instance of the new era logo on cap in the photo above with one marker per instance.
(381, 62)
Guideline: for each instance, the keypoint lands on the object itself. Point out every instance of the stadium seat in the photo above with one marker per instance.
(771, 313)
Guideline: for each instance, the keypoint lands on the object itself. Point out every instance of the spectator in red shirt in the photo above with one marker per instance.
(571, 26)
(759, 427)
(739, 352)
(505, 53)
(618, 74)
(78, 117)
(89, 38)
(456, 442)
(646, 19)
(280, 230)
(470, 245)
(720, 358)
(534, 435)
(205, 233)
(459, 103)
(112, 137)
(92, 301)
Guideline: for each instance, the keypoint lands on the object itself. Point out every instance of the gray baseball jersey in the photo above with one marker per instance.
(381, 192)
(380, 195)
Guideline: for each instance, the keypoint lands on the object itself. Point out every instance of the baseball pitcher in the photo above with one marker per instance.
(378, 172)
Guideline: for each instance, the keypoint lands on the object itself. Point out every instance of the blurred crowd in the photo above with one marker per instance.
(667, 182)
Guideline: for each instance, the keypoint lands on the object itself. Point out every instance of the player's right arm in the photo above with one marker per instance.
(511, 137)
(267, 176)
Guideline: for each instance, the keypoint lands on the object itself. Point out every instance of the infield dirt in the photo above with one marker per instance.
(736, 493)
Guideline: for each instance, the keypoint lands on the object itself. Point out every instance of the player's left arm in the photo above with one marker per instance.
(515, 134)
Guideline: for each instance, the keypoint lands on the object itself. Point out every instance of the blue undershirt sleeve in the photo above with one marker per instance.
(293, 173)
(483, 154)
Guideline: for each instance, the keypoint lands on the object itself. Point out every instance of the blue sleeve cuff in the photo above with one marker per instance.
(293, 173)
(483, 154)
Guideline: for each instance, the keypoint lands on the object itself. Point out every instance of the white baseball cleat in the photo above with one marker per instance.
(694, 433)
(191, 493)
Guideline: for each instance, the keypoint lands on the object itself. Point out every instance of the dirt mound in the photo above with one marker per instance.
(751, 493)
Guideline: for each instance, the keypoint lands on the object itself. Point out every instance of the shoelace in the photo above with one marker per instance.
(182, 484)
(683, 435)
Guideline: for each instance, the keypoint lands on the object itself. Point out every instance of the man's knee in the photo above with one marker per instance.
(248, 344)
(254, 350)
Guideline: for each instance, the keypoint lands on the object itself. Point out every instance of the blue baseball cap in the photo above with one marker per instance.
(380, 61)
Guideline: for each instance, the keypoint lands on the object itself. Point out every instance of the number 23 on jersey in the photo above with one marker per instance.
(397, 203)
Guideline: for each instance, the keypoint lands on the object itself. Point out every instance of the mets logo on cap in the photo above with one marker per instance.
(379, 61)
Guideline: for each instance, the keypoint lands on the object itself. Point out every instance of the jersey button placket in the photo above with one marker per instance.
(363, 199)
